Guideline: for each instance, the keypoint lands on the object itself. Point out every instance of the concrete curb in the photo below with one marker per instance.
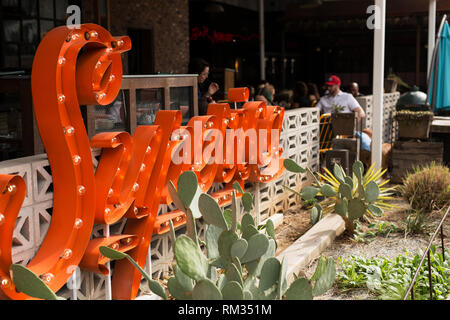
(148, 297)
(305, 249)
(309, 246)
(277, 220)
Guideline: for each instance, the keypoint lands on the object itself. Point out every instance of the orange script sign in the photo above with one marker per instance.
(83, 67)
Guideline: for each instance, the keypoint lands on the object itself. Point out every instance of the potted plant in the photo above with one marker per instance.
(414, 124)
(392, 81)
(342, 123)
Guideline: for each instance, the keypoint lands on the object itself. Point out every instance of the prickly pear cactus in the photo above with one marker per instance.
(243, 252)
(349, 196)
(239, 260)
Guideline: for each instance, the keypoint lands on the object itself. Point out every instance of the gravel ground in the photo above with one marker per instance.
(388, 246)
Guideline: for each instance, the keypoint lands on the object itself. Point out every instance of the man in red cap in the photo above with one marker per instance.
(336, 97)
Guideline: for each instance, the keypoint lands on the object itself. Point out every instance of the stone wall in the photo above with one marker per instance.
(169, 20)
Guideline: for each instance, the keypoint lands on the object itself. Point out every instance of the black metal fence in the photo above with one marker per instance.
(427, 254)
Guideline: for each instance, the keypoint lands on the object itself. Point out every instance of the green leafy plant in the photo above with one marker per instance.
(393, 76)
(413, 117)
(239, 263)
(389, 279)
(336, 108)
(415, 222)
(380, 228)
(427, 187)
(349, 196)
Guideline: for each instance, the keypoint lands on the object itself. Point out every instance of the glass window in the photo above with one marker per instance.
(111, 117)
(10, 3)
(46, 26)
(29, 7)
(148, 102)
(181, 99)
(10, 126)
(61, 8)
(11, 56)
(12, 30)
(30, 31)
(27, 55)
(46, 9)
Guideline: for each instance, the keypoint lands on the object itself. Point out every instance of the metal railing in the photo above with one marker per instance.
(427, 254)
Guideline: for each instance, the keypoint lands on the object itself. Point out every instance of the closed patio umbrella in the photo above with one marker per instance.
(439, 80)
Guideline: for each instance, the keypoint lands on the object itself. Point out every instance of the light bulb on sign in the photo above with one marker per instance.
(81, 190)
(47, 277)
(78, 223)
(69, 131)
(5, 283)
(76, 159)
(67, 254)
(12, 189)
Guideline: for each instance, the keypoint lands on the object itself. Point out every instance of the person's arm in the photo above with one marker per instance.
(319, 105)
(355, 107)
(360, 114)
(212, 89)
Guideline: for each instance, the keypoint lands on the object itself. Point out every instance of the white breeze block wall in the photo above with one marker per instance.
(389, 103)
(300, 142)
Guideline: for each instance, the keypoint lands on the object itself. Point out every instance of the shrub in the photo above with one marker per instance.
(427, 187)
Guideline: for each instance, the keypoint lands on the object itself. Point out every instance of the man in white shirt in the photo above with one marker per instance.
(337, 97)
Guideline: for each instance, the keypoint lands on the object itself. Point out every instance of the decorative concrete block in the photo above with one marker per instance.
(24, 231)
(21, 167)
(42, 215)
(42, 181)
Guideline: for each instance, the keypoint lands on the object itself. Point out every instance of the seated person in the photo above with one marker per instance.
(301, 99)
(354, 90)
(265, 94)
(313, 93)
(201, 67)
(336, 97)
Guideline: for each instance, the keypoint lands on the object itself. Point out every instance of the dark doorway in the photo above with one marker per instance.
(141, 59)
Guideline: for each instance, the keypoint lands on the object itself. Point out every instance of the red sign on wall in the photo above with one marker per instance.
(219, 37)
(84, 67)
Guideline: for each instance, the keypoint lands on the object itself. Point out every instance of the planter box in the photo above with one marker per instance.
(409, 154)
(414, 129)
(390, 85)
(343, 123)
